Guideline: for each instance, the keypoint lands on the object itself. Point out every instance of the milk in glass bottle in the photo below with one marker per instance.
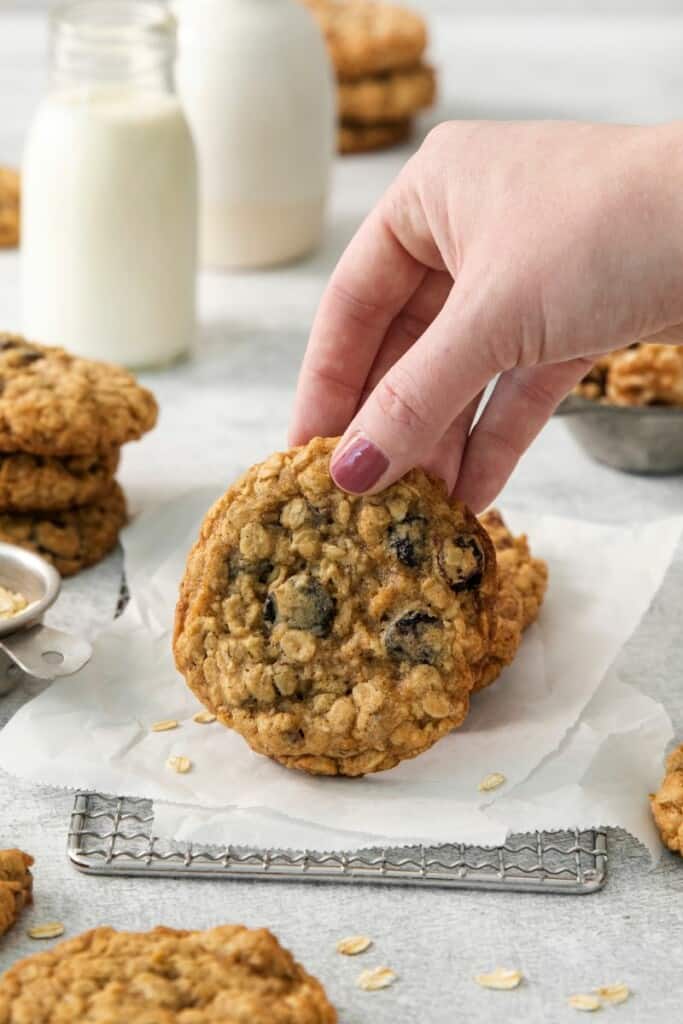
(257, 87)
(109, 195)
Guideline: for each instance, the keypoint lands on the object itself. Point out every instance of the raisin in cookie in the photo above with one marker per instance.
(70, 540)
(16, 884)
(53, 403)
(388, 97)
(225, 975)
(365, 38)
(10, 192)
(667, 803)
(522, 582)
(338, 634)
(366, 138)
(45, 483)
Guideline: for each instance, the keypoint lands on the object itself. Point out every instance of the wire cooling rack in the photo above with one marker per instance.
(115, 836)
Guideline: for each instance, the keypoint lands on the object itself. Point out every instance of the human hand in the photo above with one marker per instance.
(523, 250)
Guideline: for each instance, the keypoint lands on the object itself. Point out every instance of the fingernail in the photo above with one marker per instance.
(358, 466)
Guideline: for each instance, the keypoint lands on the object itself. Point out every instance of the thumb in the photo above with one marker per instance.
(416, 401)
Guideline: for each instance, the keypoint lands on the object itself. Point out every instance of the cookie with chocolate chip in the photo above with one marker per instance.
(71, 540)
(338, 634)
(522, 582)
(54, 403)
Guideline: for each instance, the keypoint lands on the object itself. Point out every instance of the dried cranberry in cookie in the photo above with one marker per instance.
(338, 634)
(415, 635)
(462, 561)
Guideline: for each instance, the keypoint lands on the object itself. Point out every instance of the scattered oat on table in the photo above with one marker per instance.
(614, 994)
(48, 930)
(492, 781)
(376, 978)
(587, 1003)
(169, 723)
(180, 764)
(352, 945)
(204, 718)
(502, 978)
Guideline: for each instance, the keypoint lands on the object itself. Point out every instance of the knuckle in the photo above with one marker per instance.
(502, 452)
(536, 396)
(410, 325)
(332, 379)
(364, 314)
(399, 402)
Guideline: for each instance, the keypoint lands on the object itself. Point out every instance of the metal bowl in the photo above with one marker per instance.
(30, 575)
(27, 574)
(635, 439)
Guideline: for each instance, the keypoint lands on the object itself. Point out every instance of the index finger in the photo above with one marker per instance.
(373, 280)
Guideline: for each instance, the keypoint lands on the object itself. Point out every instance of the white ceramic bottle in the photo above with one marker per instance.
(109, 220)
(257, 87)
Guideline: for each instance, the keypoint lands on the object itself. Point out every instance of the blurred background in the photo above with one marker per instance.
(593, 59)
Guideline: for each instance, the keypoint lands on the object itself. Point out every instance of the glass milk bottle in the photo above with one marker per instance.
(109, 191)
(257, 87)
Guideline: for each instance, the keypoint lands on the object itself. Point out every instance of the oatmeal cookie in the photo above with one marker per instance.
(365, 138)
(338, 634)
(53, 403)
(667, 803)
(646, 375)
(388, 97)
(522, 582)
(225, 975)
(45, 483)
(364, 38)
(70, 540)
(16, 883)
(10, 192)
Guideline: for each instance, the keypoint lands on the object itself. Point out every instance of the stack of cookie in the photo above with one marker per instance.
(377, 50)
(62, 422)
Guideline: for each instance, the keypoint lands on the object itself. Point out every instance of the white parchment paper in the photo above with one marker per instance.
(566, 744)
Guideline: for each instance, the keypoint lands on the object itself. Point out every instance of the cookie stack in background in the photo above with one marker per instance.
(10, 194)
(62, 423)
(383, 81)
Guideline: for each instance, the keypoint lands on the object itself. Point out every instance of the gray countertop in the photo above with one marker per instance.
(252, 336)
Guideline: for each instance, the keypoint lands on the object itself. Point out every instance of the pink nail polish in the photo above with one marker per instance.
(358, 466)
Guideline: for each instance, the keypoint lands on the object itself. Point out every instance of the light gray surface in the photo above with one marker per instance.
(254, 329)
